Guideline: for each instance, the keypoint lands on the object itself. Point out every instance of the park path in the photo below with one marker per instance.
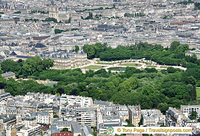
(142, 64)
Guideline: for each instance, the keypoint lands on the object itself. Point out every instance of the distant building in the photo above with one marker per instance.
(110, 117)
(123, 111)
(134, 114)
(76, 129)
(194, 52)
(77, 101)
(2, 91)
(4, 96)
(8, 75)
(8, 120)
(32, 130)
(1, 125)
(42, 117)
(174, 118)
(153, 118)
(59, 124)
(54, 12)
(7, 21)
(87, 131)
(63, 134)
(187, 109)
(87, 116)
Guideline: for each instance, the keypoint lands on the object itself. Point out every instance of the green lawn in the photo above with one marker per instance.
(106, 63)
(51, 84)
(131, 65)
(146, 63)
(149, 66)
(93, 67)
(117, 68)
(198, 92)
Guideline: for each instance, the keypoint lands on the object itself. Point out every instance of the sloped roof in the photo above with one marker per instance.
(40, 45)
(13, 54)
(39, 38)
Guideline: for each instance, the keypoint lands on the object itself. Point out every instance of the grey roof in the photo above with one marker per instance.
(28, 118)
(173, 112)
(40, 45)
(42, 105)
(109, 123)
(197, 51)
(87, 130)
(9, 109)
(4, 95)
(58, 122)
(76, 128)
(151, 114)
(99, 102)
(43, 113)
(54, 129)
(2, 133)
(13, 54)
(21, 56)
(7, 118)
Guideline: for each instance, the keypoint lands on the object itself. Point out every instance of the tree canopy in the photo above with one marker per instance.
(29, 67)
(150, 88)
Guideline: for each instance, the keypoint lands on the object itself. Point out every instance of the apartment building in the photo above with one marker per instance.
(174, 117)
(153, 118)
(86, 116)
(77, 101)
(187, 109)
(134, 114)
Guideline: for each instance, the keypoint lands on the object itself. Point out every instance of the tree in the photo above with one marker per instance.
(193, 115)
(141, 121)
(10, 65)
(128, 84)
(20, 61)
(94, 50)
(57, 31)
(42, 134)
(60, 91)
(174, 45)
(47, 63)
(51, 19)
(55, 116)
(130, 71)
(64, 130)
(129, 123)
(90, 16)
(163, 107)
(17, 12)
(90, 50)
(29, 67)
(171, 70)
(198, 83)
(192, 91)
(151, 70)
(76, 48)
(190, 80)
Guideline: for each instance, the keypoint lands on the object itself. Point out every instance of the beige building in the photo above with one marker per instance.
(134, 114)
(72, 62)
(59, 15)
